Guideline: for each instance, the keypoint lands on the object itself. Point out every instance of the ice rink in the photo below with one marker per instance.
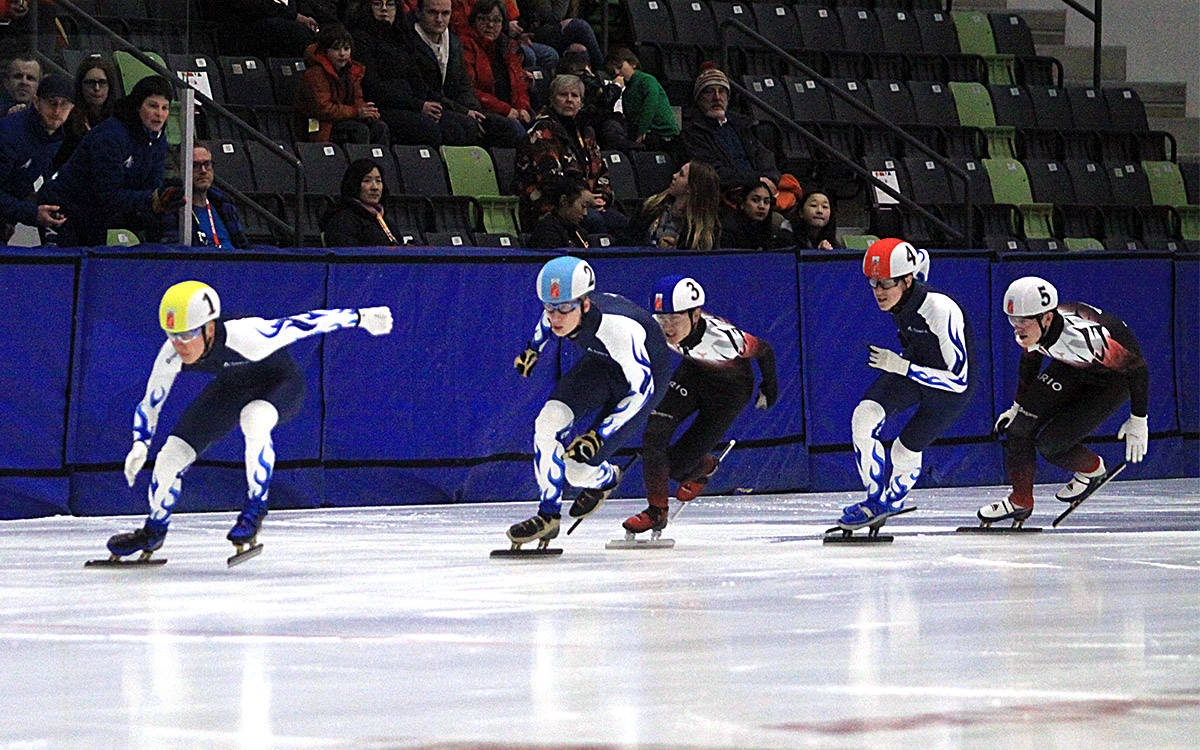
(392, 628)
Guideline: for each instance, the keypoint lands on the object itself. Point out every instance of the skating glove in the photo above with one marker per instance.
(768, 394)
(167, 200)
(377, 320)
(585, 447)
(1005, 419)
(887, 360)
(525, 361)
(1137, 436)
(135, 460)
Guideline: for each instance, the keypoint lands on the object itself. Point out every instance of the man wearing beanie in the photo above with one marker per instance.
(723, 139)
(29, 139)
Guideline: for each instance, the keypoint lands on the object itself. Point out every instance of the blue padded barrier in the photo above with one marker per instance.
(1187, 343)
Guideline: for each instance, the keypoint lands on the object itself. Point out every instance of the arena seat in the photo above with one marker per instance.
(472, 173)
(324, 165)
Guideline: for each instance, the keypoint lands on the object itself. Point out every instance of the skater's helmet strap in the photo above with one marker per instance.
(1028, 296)
(676, 293)
(187, 306)
(892, 258)
(565, 279)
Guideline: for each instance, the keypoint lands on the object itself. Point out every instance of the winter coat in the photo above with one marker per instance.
(551, 232)
(701, 142)
(384, 51)
(477, 56)
(26, 152)
(553, 148)
(351, 224)
(647, 108)
(323, 99)
(738, 231)
(425, 75)
(222, 206)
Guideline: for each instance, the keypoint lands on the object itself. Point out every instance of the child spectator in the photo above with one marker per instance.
(808, 215)
(649, 118)
(329, 95)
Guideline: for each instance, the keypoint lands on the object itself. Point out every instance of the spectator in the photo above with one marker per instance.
(114, 179)
(748, 223)
(28, 142)
(357, 218)
(686, 215)
(20, 84)
(330, 95)
(493, 65)
(94, 100)
(439, 79)
(533, 54)
(563, 226)
(547, 26)
(263, 28)
(16, 26)
(649, 118)
(559, 146)
(809, 216)
(724, 139)
(215, 220)
(600, 99)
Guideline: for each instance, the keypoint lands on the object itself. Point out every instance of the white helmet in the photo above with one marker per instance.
(1030, 295)
(565, 279)
(187, 306)
(676, 293)
(892, 258)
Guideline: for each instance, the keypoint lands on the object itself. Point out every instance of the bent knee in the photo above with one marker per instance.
(867, 418)
(258, 418)
(554, 417)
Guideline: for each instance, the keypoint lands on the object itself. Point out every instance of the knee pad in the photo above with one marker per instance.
(868, 417)
(258, 418)
(903, 459)
(554, 417)
(175, 456)
(585, 475)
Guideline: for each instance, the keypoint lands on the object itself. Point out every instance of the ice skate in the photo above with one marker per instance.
(590, 500)
(245, 532)
(652, 519)
(541, 528)
(1092, 484)
(1005, 510)
(689, 490)
(870, 514)
(145, 540)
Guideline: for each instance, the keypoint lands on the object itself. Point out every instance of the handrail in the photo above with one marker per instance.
(272, 147)
(1097, 18)
(952, 168)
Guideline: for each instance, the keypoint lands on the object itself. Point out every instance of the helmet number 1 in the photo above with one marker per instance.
(211, 308)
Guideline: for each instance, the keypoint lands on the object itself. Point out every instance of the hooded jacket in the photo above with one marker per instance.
(26, 151)
(322, 96)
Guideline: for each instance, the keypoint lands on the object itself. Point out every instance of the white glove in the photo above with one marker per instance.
(887, 360)
(1137, 436)
(377, 320)
(761, 401)
(135, 460)
(1005, 419)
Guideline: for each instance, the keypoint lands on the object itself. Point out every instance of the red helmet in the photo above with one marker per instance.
(891, 258)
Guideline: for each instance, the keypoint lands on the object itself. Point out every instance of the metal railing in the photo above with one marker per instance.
(1096, 16)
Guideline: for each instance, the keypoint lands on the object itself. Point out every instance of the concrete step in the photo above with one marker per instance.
(1049, 27)
(1186, 131)
(1077, 61)
(1162, 98)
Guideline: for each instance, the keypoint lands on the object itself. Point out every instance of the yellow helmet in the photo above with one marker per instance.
(187, 306)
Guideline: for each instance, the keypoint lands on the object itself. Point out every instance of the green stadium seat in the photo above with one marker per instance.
(472, 173)
(974, 105)
(975, 38)
(1010, 184)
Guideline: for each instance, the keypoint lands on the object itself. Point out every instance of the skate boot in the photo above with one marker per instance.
(145, 540)
(543, 527)
(869, 512)
(1082, 485)
(652, 518)
(591, 499)
(1005, 510)
(245, 532)
(691, 489)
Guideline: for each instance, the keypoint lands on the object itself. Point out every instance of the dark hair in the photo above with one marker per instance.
(618, 55)
(329, 37)
(483, 7)
(572, 62)
(352, 178)
(560, 187)
(127, 109)
(96, 62)
(802, 230)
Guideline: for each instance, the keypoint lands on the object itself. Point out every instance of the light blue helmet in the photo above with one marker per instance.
(676, 293)
(565, 279)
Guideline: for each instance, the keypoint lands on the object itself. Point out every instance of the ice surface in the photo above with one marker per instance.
(391, 627)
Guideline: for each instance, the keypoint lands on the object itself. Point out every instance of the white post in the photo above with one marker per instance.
(188, 123)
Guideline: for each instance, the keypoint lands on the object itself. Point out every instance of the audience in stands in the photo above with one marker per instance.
(263, 28)
(94, 100)
(558, 145)
(438, 76)
(357, 219)
(685, 216)
(748, 222)
(600, 99)
(16, 25)
(649, 119)
(809, 215)
(20, 84)
(113, 179)
(330, 97)
(724, 139)
(493, 63)
(533, 54)
(28, 142)
(543, 19)
(215, 221)
(563, 226)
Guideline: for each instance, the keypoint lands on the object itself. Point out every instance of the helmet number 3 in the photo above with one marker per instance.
(695, 290)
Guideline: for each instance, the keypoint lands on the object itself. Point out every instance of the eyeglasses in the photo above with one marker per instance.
(562, 307)
(95, 82)
(205, 165)
(184, 337)
(883, 283)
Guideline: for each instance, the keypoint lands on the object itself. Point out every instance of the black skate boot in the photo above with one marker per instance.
(145, 540)
(543, 527)
(591, 499)
(245, 531)
(652, 518)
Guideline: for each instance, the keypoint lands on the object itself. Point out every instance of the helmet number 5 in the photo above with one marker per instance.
(1045, 295)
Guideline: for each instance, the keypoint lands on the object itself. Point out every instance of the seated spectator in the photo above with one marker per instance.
(438, 76)
(28, 142)
(94, 100)
(563, 226)
(809, 216)
(600, 99)
(686, 215)
(493, 65)
(649, 119)
(263, 28)
(724, 139)
(215, 220)
(329, 95)
(558, 145)
(357, 218)
(20, 84)
(532, 53)
(546, 25)
(113, 179)
(748, 222)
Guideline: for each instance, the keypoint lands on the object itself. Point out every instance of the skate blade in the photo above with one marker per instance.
(844, 538)
(244, 555)
(120, 563)
(998, 530)
(1076, 503)
(531, 552)
(659, 543)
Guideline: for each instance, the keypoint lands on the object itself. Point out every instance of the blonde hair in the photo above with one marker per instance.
(702, 212)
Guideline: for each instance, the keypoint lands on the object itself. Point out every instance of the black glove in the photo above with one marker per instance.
(525, 361)
(167, 200)
(768, 394)
(585, 447)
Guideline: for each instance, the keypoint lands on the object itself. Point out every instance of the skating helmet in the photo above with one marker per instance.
(565, 279)
(1030, 295)
(892, 258)
(188, 305)
(676, 293)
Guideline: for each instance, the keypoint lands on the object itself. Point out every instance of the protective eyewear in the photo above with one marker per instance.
(1017, 321)
(184, 337)
(562, 307)
(883, 283)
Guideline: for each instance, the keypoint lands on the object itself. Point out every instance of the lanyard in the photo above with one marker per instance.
(383, 225)
(212, 222)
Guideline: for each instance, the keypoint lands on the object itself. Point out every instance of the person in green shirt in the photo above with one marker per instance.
(648, 112)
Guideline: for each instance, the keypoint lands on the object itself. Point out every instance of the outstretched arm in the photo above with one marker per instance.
(258, 338)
